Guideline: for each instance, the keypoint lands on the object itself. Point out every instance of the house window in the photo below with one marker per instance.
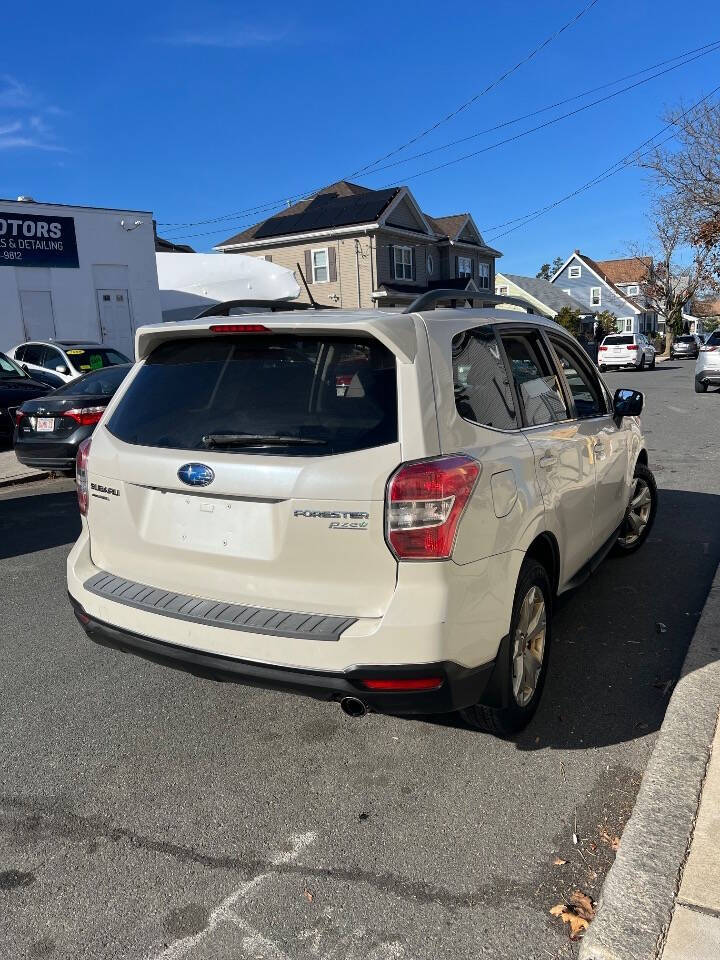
(320, 266)
(595, 296)
(628, 324)
(567, 292)
(502, 290)
(574, 273)
(464, 267)
(633, 290)
(403, 263)
(430, 264)
(484, 276)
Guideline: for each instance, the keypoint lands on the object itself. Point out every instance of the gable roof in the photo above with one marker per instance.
(544, 292)
(448, 227)
(627, 269)
(600, 274)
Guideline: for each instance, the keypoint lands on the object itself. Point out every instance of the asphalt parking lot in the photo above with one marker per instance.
(145, 813)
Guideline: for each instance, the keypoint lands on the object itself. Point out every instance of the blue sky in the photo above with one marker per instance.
(198, 110)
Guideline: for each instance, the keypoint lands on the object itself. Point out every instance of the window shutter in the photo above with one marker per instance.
(391, 254)
(332, 264)
(472, 267)
(457, 267)
(308, 267)
(413, 270)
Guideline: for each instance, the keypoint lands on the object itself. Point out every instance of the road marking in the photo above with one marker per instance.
(677, 409)
(224, 912)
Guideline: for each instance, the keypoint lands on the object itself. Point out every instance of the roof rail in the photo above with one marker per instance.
(430, 299)
(223, 308)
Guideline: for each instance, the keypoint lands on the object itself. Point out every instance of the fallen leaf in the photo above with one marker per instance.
(612, 842)
(363, 816)
(577, 914)
(559, 862)
(308, 896)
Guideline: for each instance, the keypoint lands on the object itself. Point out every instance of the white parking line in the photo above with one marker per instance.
(224, 912)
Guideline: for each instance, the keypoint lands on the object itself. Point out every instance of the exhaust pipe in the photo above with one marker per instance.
(353, 707)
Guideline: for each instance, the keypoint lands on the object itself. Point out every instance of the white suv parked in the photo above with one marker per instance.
(371, 507)
(626, 350)
(707, 365)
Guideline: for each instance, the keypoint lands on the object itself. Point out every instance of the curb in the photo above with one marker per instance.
(638, 896)
(23, 478)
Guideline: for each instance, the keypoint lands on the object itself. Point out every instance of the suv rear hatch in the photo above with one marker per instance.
(294, 435)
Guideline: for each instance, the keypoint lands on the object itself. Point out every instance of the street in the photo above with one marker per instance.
(145, 813)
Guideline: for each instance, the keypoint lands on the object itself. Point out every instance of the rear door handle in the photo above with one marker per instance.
(549, 460)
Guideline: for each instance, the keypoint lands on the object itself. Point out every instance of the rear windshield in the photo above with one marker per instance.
(94, 358)
(713, 340)
(685, 340)
(267, 394)
(9, 370)
(99, 383)
(611, 340)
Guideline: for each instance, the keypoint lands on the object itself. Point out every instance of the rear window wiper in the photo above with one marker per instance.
(257, 440)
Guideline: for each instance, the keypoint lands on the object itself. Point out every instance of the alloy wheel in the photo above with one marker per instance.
(636, 519)
(529, 646)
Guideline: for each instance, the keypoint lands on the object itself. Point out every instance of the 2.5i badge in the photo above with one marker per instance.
(339, 519)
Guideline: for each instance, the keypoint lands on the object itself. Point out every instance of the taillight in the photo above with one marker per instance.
(404, 683)
(85, 416)
(601, 348)
(425, 501)
(632, 346)
(81, 478)
(238, 328)
(18, 417)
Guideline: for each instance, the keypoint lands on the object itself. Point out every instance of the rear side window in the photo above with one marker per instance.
(94, 358)
(34, 354)
(482, 391)
(611, 340)
(714, 339)
(535, 379)
(268, 394)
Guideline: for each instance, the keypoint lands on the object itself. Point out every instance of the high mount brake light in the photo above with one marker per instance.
(81, 478)
(239, 328)
(425, 501)
(85, 416)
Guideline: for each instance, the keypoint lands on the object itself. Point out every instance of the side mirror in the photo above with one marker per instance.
(628, 403)
(61, 368)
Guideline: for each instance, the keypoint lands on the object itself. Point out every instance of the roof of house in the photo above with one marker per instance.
(167, 246)
(339, 205)
(627, 269)
(544, 292)
(709, 307)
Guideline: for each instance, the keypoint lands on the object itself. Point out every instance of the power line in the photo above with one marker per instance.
(630, 159)
(685, 58)
(464, 106)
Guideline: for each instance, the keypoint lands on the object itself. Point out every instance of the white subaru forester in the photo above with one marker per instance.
(371, 507)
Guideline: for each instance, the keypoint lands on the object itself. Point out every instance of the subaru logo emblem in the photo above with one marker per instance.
(196, 474)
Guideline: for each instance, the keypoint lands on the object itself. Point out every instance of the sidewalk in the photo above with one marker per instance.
(12, 471)
(695, 927)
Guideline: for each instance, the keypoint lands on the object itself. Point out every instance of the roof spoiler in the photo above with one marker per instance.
(430, 299)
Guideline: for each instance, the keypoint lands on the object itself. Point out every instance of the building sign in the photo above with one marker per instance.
(33, 240)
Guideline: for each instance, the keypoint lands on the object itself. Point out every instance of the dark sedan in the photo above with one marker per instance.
(16, 387)
(49, 431)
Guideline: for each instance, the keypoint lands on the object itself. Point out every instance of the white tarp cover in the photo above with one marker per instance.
(189, 282)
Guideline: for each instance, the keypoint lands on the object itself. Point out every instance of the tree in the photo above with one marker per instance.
(607, 323)
(570, 319)
(548, 270)
(690, 174)
(671, 286)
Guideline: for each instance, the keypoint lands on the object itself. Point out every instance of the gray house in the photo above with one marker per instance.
(586, 281)
(364, 248)
(546, 298)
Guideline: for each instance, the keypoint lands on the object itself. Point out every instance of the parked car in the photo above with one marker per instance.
(16, 387)
(65, 359)
(395, 545)
(49, 430)
(707, 365)
(626, 350)
(685, 346)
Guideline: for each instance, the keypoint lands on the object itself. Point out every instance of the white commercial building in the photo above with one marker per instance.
(84, 273)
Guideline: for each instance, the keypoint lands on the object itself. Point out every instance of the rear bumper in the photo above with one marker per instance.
(50, 454)
(708, 376)
(461, 686)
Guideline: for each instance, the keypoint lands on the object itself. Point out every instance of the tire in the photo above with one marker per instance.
(700, 387)
(642, 362)
(533, 580)
(630, 538)
(652, 363)
(602, 368)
